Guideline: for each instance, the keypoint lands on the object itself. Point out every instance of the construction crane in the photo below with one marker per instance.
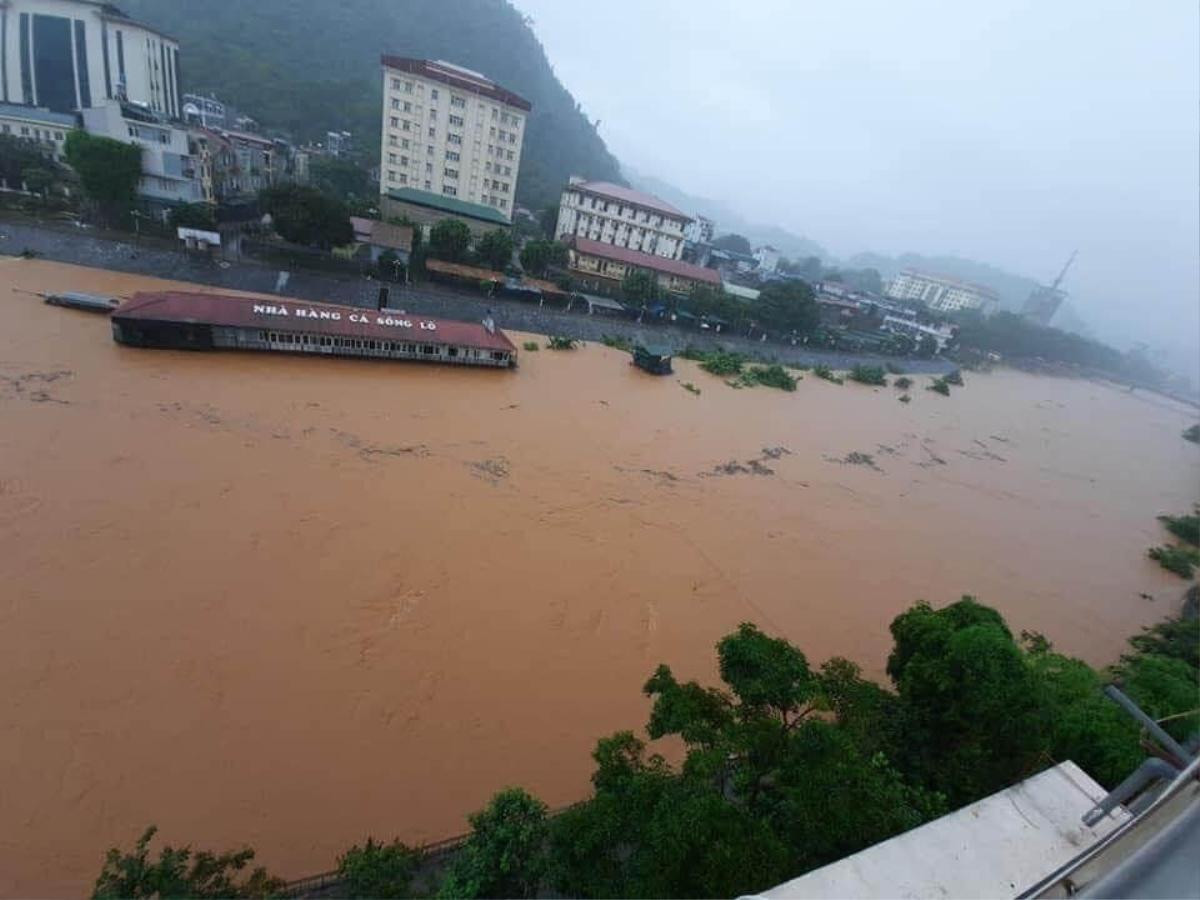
(1044, 301)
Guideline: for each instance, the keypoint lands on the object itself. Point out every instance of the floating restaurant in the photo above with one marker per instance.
(197, 321)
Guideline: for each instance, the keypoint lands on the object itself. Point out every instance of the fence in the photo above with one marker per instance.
(304, 257)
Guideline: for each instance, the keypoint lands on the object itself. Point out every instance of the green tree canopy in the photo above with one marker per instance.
(495, 249)
(449, 240)
(304, 215)
(640, 287)
(181, 872)
(378, 870)
(734, 243)
(108, 170)
(787, 307)
(538, 256)
(194, 215)
(340, 177)
(505, 856)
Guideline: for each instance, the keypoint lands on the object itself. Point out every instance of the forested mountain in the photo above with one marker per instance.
(311, 66)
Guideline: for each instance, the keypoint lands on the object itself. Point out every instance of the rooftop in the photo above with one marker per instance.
(646, 261)
(286, 314)
(628, 195)
(451, 205)
(462, 271)
(955, 282)
(109, 11)
(36, 114)
(456, 77)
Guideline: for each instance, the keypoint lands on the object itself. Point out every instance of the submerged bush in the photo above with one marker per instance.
(939, 385)
(1186, 528)
(775, 376)
(954, 378)
(823, 371)
(869, 375)
(561, 343)
(617, 343)
(904, 383)
(1180, 560)
(722, 363)
(530, 345)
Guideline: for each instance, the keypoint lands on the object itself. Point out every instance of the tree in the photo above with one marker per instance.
(194, 215)
(180, 872)
(734, 243)
(108, 170)
(449, 240)
(786, 307)
(548, 219)
(505, 856)
(340, 177)
(974, 720)
(538, 256)
(496, 249)
(927, 347)
(810, 268)
(640, 287)
(304, 215)
(378, 870)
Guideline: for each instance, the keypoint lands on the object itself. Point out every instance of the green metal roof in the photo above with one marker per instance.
(450, 205)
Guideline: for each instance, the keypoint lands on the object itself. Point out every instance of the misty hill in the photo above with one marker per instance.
(793, 246)
(311, 66)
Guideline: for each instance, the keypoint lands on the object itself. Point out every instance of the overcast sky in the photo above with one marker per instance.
(1005, 131)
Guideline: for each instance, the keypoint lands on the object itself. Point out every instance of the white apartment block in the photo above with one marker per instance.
(70, 55)
(700, 230)
(941, 293)
(767, 258)
(169, 173)
(45, 128)
(611, 214)
(452, 132)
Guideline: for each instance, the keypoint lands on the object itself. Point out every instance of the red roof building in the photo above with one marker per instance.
(456, 77)
(606, 263)
(200, 321)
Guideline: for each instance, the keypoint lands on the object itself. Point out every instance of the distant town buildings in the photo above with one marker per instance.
(207, 112)
(622, 217)
(700, 230)
(600, 265)
(449, 132)
(71, 55)
(941, 293)
(168, 170)
(32, 123)
(767, 258)
(338, 143)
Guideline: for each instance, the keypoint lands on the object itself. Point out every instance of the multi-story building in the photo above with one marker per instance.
(767, 259)
(620, 216)
(43, 127)
(70, 55)
(169, 174)
(450, 132)
(601, 265)
(941, 293)
(700, 230)
(208, 112)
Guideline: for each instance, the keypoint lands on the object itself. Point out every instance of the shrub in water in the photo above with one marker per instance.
(561, 343)
(722, 363)
(823, 371)
(772, 376)
(904, 383)
(869, 375)
(530, 345)
(939, 385)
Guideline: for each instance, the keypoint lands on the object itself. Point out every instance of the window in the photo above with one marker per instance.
(404, 160)
(395, 122)
(392, 158)
(427, 185)
(408, 107)
(432, 133)
(429, 150)
(510, 155)
(495, 112)
(457, 121)
(58, 135)
(458, 102)
(408, 87)
(428, 168)
(395, 103)
(391, 174)
(433, 94)
(491, 132)
(25, 130)
(395, 84)
(403, 178)
(392, 140)
(454, 139)
(487, 167)
(450, 191)
(404, 143)
(452, 155)
(450, 173)
(406, 125)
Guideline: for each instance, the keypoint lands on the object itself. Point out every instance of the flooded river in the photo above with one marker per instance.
(295, 602)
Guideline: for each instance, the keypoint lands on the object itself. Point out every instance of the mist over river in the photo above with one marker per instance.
(294, 601)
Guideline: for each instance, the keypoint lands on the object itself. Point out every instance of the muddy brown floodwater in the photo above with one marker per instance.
(296, 602)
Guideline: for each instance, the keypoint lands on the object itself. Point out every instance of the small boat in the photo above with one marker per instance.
(88, 302)
(655, 360)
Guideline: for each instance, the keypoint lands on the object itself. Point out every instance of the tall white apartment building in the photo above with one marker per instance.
(72, 55)
(450, 132)
(621, 216)
(941, 293)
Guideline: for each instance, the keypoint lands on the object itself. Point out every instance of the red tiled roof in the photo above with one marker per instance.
(628, 195)
(458, 269)
(646, 260)
(250, 312)
(462, 79)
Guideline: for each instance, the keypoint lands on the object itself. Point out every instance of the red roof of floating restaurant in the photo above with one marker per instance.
(288, 314)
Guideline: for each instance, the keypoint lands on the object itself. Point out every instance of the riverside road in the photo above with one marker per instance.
(123, 253)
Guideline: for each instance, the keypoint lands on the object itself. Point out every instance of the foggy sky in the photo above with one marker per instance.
(1003, 131)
